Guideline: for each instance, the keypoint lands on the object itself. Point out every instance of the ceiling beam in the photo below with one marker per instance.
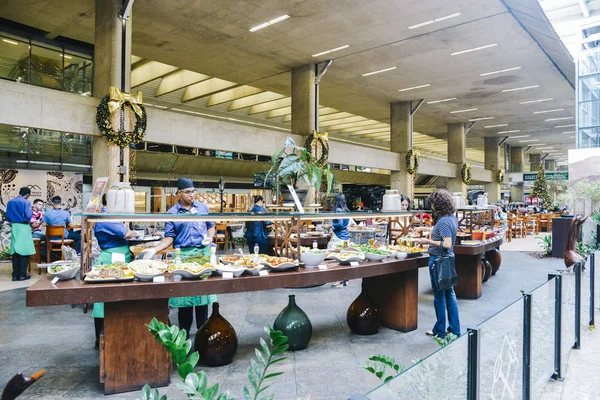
(149, 71)
(253, 100)
(206, 88)
(178, 80)
(270, 106)
(329, 117)
(585, 10)
(232, 94)
(362, 131)
(339, 121)
(370, 122)
(280, 112)
(327, 111)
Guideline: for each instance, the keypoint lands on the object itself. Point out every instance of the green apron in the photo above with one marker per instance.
(21, 241)
(189, 301)
(105, 257)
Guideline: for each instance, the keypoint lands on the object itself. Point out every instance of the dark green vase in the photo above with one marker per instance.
(362, 316)
(294, 324)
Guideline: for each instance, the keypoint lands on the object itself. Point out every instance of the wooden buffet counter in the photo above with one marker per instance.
(131, 357)
(470, 269)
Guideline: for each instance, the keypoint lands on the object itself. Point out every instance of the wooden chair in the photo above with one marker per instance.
(517, 227)
(55, 239)
(221, 234)
(543, 222)
(37, 257)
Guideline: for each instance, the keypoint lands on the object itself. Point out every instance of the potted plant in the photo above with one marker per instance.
(294, 165)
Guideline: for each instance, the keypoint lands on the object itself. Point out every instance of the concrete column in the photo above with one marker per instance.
(108, 42)
(457, 147)
(550, 165)
(534, 162)
(492, 163)
(304, 102)
(516, 159)
(517, 192)
(401, 143)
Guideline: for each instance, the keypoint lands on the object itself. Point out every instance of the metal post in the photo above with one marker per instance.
(557, 325)
(577, 344)
(526, 346)
(473, 364)
(592, 288)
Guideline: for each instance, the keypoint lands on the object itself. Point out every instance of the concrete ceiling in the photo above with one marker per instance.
(212, 38)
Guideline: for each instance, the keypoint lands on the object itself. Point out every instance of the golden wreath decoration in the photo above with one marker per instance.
(500, 176)
(318, 145)
(412, 162)
(465, 173)
(121, 117)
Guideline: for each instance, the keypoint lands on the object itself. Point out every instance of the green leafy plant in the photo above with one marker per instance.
(378, 365)
(5, 254)
(443, 342)
(195, 384)
(546, 243)
(584, 249)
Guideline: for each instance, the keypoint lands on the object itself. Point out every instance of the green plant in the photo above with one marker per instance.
(584, 249)
(293, 164)
(195, 385)
(595, 216)
(5, 254)
(546, 243)
(443, 342)
(378, 365)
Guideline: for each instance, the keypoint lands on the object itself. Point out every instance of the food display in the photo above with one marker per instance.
(246, 260)
(346, 256)
(198, 259)
(147, 269)
(236, 270)
(55, 268)
(279, 263)
(110, 273)
(312, 257)
(192, 270)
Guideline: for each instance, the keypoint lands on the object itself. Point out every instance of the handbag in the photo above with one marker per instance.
(444, 273)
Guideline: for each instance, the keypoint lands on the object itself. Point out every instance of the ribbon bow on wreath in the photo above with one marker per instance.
(118, 99)
(318, 145)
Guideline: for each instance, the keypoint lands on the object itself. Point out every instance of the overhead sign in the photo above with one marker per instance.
(550, 176)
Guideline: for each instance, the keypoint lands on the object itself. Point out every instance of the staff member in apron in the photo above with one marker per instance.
(193, 238)
(112, 239)
(18, 213)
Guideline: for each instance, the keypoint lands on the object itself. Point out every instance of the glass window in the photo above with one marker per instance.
(589, 113)
(78, 74)
(14, 59)
(589, 137)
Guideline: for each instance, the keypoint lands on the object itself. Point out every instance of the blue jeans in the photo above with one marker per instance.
(444, 301)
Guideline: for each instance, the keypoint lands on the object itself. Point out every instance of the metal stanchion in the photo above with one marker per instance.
(577, 344)
(526, 395)
(592, 288)
(473, 364)
(557, 375)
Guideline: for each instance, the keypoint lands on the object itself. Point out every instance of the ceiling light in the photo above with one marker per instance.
(441, 101)
(520, 136)
(569, 132)
(414, 87)
(499, 71)
(544, 148)
(474, 49)
(380, 71)
(528, 140)
(564, 126)
(520, 88)
(433, 21)
(65, 56)
(462, 111)
(10, 41)
(571, 137)
(516, 130)
(495, 126)
(331, 50)
(271, 22)
(549, 111)
(558, 119)
(480, 119)
(535, 101)
(157, 106)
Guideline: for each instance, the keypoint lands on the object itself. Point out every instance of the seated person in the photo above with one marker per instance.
(501, 216)
(37, 219)
(56, 216)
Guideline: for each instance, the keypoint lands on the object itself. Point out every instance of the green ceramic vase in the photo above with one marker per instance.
(294, 324)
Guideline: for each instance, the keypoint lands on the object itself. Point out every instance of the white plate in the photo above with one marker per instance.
(191, 275)
(235, 270)
(401, 255)
(358, 257)
(146, 277)
(280, 267)
(106, 280)
(376, 257)
(65, 274)
(254, 271)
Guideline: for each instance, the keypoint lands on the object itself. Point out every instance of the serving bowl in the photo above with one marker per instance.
(234, 269)
(401, 255)
(67, 273)
(313, 259)
(376, 257)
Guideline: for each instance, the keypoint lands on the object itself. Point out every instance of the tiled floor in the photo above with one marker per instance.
(60, 339)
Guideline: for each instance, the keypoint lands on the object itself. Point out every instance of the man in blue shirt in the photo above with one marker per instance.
(56, 216)
(193, 238)
(18, 213)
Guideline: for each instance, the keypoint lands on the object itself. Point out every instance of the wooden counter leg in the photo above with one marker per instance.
(132, 356)
(470, 275)
(397, 299)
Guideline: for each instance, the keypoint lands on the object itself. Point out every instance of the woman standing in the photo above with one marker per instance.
(340, 227)
(443, 237)
(257, 231)
(113, 239)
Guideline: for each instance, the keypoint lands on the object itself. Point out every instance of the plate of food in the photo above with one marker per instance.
(346, 257)
(145, 270)
(117, 272)
(373, 254)
(312, 257)
(192, 270)
(236, 270)
(279, 263)
(63, 270)
(245, 260)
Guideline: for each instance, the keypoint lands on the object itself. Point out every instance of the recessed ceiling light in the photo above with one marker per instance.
(157, 106)
(520, 136)
(514, 131)
(10, 41)
(558, 119)
(271, 22)
(571, 137)
(495, 126)
(441, 101)
(564, 126)
(569, 132)
(414, 87)
(549, 111)
(500, 71)
(527, 141)
(331, 50)
(543, 148)
(380, 71)
(535, 101)
(474, 49)
(480, 119)
(462, 111)
(520, 88)
(433, 21)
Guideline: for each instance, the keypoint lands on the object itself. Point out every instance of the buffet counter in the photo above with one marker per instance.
(471, 268)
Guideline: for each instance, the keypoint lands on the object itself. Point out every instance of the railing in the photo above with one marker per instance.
(511, 355)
